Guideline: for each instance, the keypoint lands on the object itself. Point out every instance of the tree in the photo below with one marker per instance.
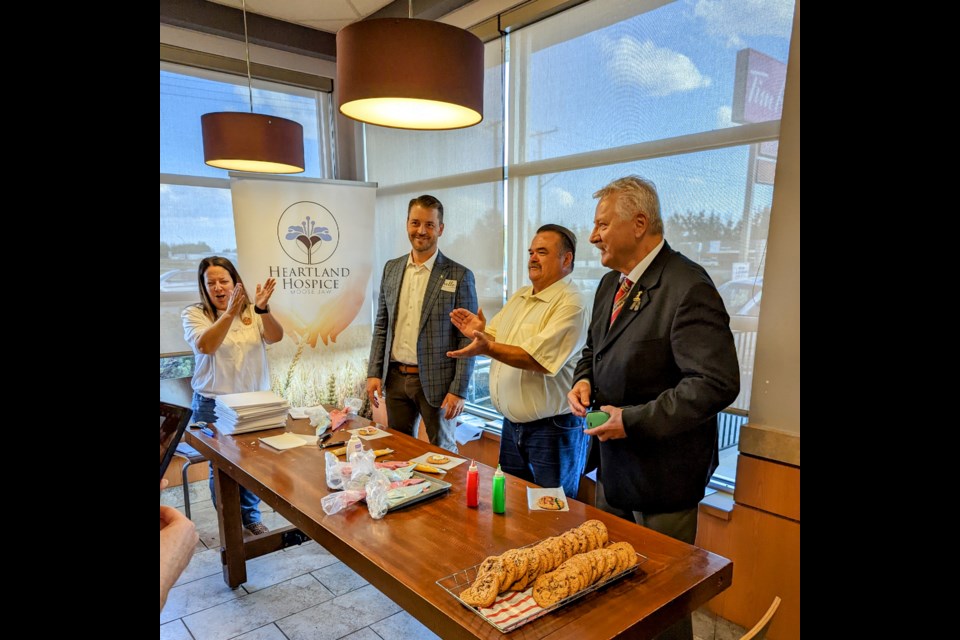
(191, 247)
(699, 228)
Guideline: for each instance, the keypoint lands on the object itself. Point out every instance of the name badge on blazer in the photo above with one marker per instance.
(449, 285)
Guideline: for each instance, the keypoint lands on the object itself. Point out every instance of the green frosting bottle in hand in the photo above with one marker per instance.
(499, 491)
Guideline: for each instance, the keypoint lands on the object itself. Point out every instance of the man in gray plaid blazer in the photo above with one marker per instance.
(412, 334)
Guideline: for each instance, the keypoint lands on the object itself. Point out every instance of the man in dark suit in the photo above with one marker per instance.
(660, 359)
(412, 334)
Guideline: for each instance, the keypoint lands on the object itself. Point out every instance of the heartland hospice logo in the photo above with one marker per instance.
(308, 233)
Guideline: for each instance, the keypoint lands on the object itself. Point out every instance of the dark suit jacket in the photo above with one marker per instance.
(671, 365)
(439, 374)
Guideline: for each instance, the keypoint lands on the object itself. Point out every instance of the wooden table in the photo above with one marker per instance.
(406, 552)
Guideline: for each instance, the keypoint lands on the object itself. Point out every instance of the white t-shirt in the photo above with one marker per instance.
(238, 365)
(551, 326)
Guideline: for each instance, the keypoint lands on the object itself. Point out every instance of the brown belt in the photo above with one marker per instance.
(408, 369)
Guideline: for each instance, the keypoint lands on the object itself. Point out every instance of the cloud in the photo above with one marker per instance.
(731, 19)
(725, 117)
(657, 70)
(563, 196)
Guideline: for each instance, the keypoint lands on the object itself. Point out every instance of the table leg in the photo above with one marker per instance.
(232, 554)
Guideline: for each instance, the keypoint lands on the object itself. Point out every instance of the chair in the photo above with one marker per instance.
(191, 455)
(179, 391)
(759, 630)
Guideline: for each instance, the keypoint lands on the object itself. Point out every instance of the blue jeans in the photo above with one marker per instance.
(549, 452)
(203, 412)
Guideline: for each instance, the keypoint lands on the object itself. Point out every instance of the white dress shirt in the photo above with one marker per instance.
(407, 328)
(638, 270)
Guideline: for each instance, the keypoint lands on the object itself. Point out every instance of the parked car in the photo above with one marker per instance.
(742, 296)
(179, 287)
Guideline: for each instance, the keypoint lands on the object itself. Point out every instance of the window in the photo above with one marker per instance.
(463, 169)
(186, 94)
(599, 91)
(196, 213)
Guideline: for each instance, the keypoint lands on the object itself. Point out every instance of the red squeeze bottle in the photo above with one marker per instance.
(473, 485)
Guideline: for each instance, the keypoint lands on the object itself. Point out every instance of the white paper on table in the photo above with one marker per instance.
(446, 466)
(285, 441)
(380, 433)
(535, 494)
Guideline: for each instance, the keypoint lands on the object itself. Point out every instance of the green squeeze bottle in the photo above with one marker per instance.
(499, 491)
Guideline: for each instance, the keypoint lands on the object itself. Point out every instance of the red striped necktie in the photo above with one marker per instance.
(625, 285)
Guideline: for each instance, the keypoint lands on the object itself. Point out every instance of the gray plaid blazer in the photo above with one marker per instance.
(439, 374)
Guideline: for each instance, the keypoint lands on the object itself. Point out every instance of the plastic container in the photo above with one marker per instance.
(499, 491)
(354, 446)
(473, 485)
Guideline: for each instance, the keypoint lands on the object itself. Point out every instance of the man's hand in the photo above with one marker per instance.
(467, 322)
(579, 398)
(612, 429)
(480, 346)
(178, 537)
(374, 391)
(454, 406)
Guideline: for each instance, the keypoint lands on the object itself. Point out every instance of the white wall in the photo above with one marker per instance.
(775, 406)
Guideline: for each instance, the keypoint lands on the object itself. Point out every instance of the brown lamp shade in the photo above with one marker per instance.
(410, 74)
(252, 142)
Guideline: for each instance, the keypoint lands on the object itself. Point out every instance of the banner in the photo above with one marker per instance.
(314, 238)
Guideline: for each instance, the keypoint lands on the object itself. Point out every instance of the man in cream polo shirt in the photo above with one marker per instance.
(534, 342)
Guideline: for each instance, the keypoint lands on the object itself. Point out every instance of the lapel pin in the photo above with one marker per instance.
(635, 305)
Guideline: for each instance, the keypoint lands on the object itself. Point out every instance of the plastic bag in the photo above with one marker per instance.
(336, 474)
(362, 467)
(352, 405)
(319, 418)
(360, 479)
(396, 475)
(377, 489)
(337, 502)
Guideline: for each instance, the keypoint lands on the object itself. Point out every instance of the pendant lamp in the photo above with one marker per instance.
(410, 74)
(252, 141)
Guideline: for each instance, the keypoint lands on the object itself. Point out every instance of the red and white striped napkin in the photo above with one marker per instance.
(513, 609)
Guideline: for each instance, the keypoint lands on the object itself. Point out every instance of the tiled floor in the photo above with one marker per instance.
(302, 592)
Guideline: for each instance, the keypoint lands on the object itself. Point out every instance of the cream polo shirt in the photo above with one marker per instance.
(238, 365)
(551, 326)
(407, 327)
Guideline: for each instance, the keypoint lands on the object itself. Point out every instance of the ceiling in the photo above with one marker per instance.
(326, 15)
(306, 27)
(333, 15)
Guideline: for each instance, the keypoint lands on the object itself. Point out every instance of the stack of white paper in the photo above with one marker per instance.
(252, 411)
